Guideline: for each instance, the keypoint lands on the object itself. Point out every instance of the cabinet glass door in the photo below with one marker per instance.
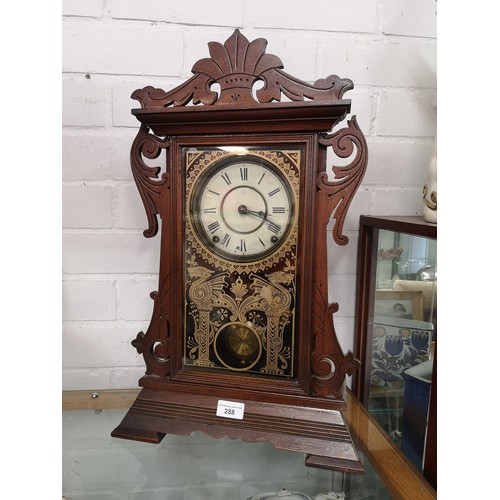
(397, 328)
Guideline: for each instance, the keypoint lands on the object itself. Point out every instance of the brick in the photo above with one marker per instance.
(196, 46)
(89, 8)
(360, 205)
(407, 113)
(110, 253)
(86, 206)
(122, 49)
(324, 15)
(131, 213)
(362, 104)
(101, 379)
(397, 164)
(342, 290)
(90, 155)
(215, 13)
(123, 104)
(344, 328)
(392, 201)
(410, 18)
(88, 300)
(297, 53)
(381, 62)
(342, 260)
(85, 102)
(85, 346)
(134, 301)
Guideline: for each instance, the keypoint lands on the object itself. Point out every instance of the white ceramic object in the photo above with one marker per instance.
(285, 494)
(282, 494)
(429, 195)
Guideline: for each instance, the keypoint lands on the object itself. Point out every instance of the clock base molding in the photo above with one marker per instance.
(321, 434)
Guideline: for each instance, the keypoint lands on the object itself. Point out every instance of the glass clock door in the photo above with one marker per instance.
(241, 211)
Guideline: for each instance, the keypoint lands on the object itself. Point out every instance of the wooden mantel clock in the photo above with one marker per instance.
(242, 342)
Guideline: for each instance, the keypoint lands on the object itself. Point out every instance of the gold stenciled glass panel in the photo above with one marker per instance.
(397, 326)
(240, 293)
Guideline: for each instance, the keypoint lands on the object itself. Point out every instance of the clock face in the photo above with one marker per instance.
(242, 208)
(240, 260)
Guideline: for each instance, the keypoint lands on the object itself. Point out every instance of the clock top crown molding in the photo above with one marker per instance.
(236, 66)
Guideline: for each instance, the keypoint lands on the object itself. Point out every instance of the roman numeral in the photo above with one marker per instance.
(261, 177)
(211, 210)
(263, 244)
(244, 173)
(226, 178)
(214, 226)
(214, 192)
(225, 241)
(243, 246)
(278, 210)
(274, 191)
(274, 228)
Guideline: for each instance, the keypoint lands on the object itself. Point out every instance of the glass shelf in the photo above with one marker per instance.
(197, 467)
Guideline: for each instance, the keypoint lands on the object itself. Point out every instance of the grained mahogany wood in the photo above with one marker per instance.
(430, 461)
(400, 476)
(236, 66)
(303, 116)
(415, 225)
(329, 365)
(365, 300)
(301, 429)
(300, 412)
(154, 345)
(151, 189)
(242, 389)
(329, 463)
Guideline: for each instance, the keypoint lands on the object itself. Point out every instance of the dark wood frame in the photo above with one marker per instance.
(365, 300)
(299, 416)
(235, 385)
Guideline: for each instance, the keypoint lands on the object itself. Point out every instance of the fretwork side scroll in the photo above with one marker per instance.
(154, 345)
(329, 363)
(151, 188)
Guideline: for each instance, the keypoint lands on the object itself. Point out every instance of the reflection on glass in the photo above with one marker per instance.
(403, 332)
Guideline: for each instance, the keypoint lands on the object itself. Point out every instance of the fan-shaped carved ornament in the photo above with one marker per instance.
(236, 66)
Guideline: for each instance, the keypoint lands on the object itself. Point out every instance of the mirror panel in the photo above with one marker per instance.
(397, 327)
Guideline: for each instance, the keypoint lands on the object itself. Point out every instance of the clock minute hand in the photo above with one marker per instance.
(242, 209)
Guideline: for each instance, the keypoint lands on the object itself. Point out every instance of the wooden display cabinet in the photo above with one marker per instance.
(396, 332)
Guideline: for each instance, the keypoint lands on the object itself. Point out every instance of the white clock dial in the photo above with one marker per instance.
(243, 209)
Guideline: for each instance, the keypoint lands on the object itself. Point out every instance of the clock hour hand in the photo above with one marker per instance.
(242, 209)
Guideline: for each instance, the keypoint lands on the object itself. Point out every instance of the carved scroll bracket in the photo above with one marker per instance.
(150, 186)
(154, 345)
(329, 364)
(336, 196)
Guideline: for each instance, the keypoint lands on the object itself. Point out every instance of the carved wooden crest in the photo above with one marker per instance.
(236, 66)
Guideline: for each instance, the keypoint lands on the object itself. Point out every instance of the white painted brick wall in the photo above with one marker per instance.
(112, 47)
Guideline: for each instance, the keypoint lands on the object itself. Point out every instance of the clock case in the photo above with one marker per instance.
(302, 413)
